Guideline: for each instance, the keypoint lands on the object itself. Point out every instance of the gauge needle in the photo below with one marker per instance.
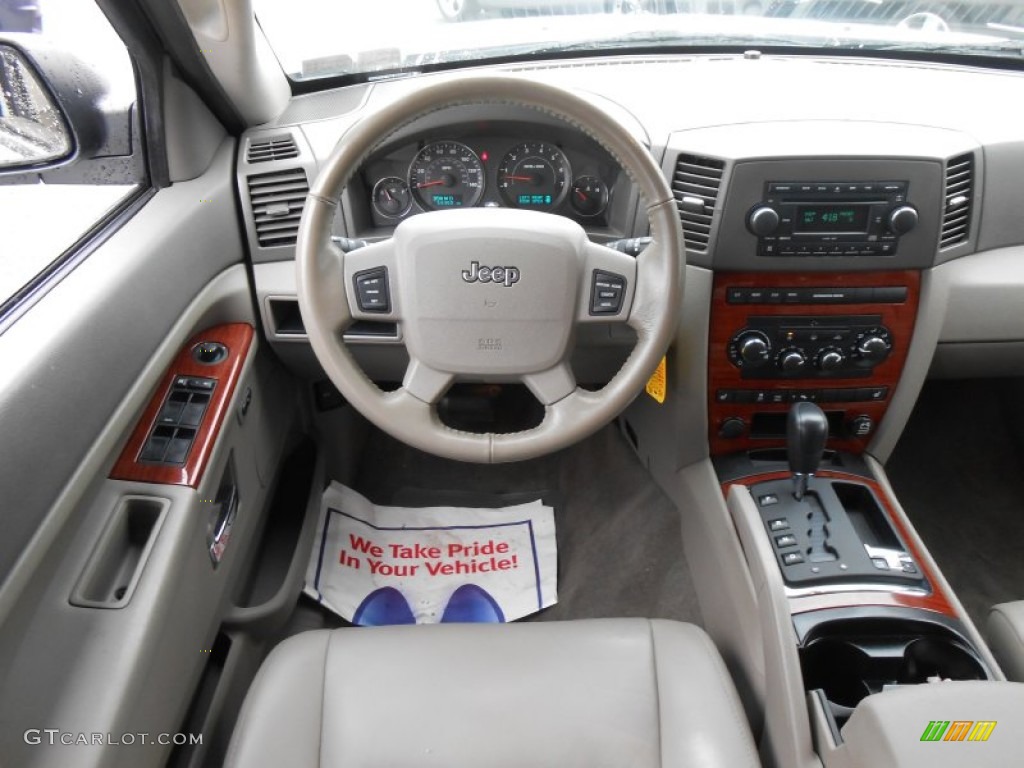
(519, 178)
(388, 195)
(429, 184)
(581, 194)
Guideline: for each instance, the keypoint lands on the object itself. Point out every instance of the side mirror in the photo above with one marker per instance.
(60, 121)
(32, 129)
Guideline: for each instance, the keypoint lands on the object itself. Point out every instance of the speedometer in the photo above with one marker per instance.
(534, 175)
(446, 174)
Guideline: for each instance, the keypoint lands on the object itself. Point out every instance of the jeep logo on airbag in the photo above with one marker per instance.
(507, 276)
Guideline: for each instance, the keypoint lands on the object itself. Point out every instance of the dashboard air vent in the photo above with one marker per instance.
(956, 215)
(277, 199)
(277, 148)
(695, 186)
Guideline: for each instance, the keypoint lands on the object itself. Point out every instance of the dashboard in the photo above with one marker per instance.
(890, 220)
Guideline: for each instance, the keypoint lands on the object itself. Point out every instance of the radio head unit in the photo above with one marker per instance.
(839, 218)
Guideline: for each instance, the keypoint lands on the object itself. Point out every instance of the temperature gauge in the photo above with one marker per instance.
(589, 196)
(391, 197)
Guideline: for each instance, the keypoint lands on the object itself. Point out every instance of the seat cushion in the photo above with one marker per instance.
(1006, 638)
(606, 692)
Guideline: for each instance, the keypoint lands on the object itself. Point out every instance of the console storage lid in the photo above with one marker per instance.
(941, 725)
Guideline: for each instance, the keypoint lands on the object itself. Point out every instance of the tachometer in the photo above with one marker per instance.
(446, 174)
(534, 175)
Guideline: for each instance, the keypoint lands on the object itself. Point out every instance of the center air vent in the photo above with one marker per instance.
(956, 215)
(695, 187)
(277, 148)
(277, 200)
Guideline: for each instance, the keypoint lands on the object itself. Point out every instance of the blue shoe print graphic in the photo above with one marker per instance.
(382, 607)
(472, 605)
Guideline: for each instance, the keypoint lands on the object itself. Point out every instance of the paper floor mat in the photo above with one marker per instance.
(375, 565)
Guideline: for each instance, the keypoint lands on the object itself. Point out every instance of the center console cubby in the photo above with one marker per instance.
(849, 654)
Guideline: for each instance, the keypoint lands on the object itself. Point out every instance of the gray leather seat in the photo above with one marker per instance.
(607, 692)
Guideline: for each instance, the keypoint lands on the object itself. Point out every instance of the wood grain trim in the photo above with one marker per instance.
(237, 337)
(727, 319)
(937, 601)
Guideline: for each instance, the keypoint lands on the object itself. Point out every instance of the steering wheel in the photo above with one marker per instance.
(489, 294)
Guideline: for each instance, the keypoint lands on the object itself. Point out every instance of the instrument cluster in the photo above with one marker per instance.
(509, 167)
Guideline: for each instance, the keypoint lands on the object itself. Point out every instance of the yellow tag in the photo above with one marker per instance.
(656, 385)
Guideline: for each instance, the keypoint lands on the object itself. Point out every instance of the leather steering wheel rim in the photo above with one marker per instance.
(325, 278)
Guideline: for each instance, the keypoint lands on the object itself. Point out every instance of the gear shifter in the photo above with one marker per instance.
(806, 432)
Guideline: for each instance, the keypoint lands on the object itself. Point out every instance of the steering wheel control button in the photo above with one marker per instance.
(372, 290)
(607, 293)
(792, 558)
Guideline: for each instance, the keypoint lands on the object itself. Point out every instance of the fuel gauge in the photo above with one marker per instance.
(391, 197)
(589, 196)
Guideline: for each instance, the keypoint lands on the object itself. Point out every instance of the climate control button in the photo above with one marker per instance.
(792, 360)
(829, 359)
(873, 346)
(751, 348)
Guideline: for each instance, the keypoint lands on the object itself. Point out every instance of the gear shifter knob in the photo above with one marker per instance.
(806, 432)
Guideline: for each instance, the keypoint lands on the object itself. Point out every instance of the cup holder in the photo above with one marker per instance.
(839, 668)
(938, 657)
(852, 660)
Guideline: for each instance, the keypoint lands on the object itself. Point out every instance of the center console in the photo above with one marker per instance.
(869, 613)
(818, 278)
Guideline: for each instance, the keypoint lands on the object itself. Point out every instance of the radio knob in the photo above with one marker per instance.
(763, 220)
(753, 347)
(873, 348)
(902, 219)
(829, 359)
(792, 360)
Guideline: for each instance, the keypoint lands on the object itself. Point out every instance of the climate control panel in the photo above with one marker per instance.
(778, 338)
(809, 346)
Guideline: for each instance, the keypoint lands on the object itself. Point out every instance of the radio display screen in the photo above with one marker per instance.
(831, 218)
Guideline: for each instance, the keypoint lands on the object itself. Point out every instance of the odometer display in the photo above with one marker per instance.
(534, 175)
(446, 174)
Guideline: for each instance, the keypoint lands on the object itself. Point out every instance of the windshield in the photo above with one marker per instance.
(323, 38)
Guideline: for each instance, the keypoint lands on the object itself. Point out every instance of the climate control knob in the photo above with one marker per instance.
(792, 360)
(829, 359)
(873, 346)
(752, 348)
(902, 219)
(763, 220)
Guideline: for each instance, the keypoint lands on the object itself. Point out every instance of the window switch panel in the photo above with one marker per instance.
(178, 420)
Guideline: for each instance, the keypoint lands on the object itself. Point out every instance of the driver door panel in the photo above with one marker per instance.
(109, 598)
